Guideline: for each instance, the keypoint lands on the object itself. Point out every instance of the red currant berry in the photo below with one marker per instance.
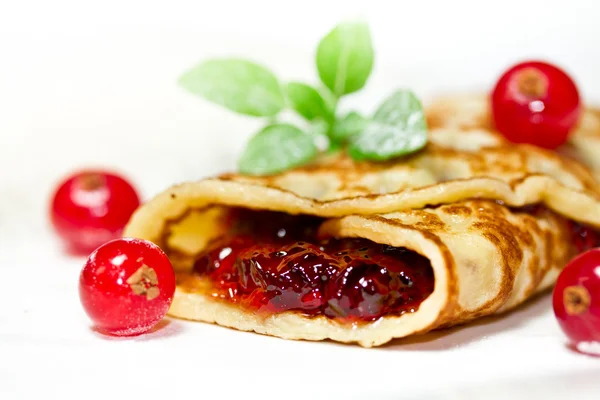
(536, 103)
(126, 286)
(92, 207)
(576, 301)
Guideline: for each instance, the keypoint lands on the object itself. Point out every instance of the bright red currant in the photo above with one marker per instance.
(576, 301)
(92, 207)
(536, 103)
(126, 286)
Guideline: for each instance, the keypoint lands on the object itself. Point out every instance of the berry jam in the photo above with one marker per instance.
(274, 262)
(584, 237)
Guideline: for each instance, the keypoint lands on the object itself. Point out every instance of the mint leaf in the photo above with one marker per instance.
(345, 58)
(318, 128)
(398, 128)
(276, 148)
(331, 100)
(307, 101)
(344, 129)
(241, 86)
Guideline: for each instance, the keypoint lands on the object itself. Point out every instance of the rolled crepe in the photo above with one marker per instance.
(462, 204)
(471, 113)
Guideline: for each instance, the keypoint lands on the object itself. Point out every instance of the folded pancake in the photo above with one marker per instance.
(463, 229)
(471, 113)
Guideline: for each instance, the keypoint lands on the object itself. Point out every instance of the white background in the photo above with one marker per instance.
(92, 83)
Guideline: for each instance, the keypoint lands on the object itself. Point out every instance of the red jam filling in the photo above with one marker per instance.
(274, 262)
(583, 237)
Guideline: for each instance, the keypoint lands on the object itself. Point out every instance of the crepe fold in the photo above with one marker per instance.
(471, 113)
(463, 204)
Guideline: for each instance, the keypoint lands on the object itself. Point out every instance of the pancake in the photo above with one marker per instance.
(468, 227)
(472, 113)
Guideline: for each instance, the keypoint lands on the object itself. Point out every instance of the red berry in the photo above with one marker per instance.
(536, 103)
(92, 207)
(126, 286)
(576, 301)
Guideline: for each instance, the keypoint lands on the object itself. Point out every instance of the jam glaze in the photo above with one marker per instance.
(583, 237)
(272, 262)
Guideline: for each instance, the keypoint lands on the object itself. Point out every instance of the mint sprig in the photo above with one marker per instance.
(308, 102)
(398, 128)
(242, 86)
(344, 61)
(345, 58)
(346, 128)
(275, 148)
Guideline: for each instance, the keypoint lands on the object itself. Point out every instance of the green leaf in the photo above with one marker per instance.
(276, 148)
(334, 147)
(345, 58)
(241, 86)
(307, 101)
(352, 124)
(318, 127)
(398, 128)
(331, 100)
(318, 130)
